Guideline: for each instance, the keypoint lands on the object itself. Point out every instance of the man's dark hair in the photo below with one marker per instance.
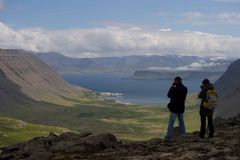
(205, 81)
(178, 79)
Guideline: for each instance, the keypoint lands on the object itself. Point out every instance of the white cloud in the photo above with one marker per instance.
(192, 14)
(165, 29)
(228, 1)
(199, 65)
(1, 5)
(228, 17)
(136, 28)
(193, 18)
(113, 27)
(163, 14)
(197, 18)
(195, 66)
(118, 41)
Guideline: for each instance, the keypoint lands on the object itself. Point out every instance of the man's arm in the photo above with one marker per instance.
(186, 91)
(170, 92)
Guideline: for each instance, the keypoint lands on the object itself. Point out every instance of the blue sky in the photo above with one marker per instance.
(216, 19)
(60, 14)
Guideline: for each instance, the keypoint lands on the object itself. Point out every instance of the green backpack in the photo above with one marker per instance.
(211, 99)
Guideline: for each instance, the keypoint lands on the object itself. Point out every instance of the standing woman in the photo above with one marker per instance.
(208, 96)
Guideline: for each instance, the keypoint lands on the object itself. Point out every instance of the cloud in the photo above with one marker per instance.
(165, 29)
(118, 41)
(228, 1)
(192, 17)
(192, 14)
(200, 65)
(2, 5)
(163, 14)
(228, 17)
(197, 18)
(212, 63)
(136, 28)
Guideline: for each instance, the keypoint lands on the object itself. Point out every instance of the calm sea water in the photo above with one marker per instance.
(133, 91)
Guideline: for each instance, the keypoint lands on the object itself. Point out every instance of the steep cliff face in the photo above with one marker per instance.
(22, 73)
(10, 92)
(230, 80)
(228, 87)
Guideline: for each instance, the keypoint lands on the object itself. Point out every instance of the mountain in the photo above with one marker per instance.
(105, 146)
(127, 64)
(228, 87)
(171, 74)
(207, 67)
(32, 92)
(24, 76)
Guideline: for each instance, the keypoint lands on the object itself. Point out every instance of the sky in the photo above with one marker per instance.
(100, 28)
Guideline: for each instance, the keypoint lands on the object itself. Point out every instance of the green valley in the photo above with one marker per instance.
(127, 122)
(34, 97)
(14, 131)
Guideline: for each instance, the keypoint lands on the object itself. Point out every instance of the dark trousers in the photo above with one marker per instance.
(203, 126)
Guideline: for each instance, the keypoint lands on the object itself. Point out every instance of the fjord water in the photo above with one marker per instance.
(133, 91)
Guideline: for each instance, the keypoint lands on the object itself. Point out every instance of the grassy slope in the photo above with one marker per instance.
(127, 122)
(13, 131)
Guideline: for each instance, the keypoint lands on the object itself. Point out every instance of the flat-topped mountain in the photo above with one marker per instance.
(21, 72)
(170, 74)
(228, 87)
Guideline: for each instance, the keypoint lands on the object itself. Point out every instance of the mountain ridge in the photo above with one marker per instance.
(125, 64)
(228, 88)
(171, 74)
(34, 78)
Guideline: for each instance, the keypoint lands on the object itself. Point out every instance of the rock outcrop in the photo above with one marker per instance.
(88, 146)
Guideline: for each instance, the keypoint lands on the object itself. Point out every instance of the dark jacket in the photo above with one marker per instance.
(177, 95)
(203, 96)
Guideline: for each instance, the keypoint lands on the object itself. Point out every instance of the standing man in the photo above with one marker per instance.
(208, 96)
(177, 94)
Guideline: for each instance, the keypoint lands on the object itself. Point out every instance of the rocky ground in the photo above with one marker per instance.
(88, 146)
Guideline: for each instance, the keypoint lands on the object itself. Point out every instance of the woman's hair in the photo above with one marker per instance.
(205, 81)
